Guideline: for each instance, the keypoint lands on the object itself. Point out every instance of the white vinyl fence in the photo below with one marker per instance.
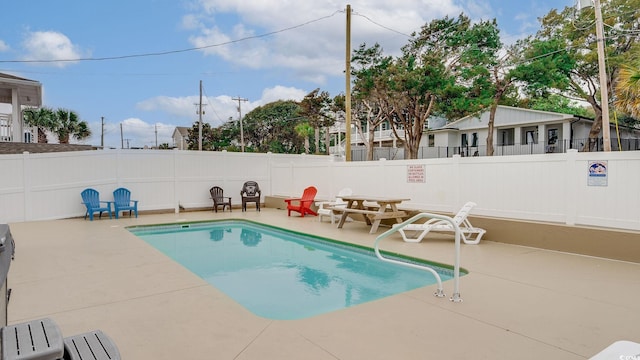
(548, 187)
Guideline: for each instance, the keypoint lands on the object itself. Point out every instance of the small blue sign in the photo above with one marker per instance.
(598, 173)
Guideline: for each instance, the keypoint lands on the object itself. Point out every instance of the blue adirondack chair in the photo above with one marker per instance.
(91, 199)
(122, 202)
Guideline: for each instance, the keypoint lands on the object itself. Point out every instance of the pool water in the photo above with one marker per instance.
(278, 274)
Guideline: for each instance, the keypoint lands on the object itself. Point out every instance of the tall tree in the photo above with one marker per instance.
(208, 135)
(67, 125)
(437, 74)
(304, 130)
(42, 118)
(627, 90)
(487, 74)
(556, 103)
(370, 98)
(271, 127)
(64, 123)
(572, 35)
(315, 107)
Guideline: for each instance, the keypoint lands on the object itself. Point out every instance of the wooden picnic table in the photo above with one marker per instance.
(374, 211)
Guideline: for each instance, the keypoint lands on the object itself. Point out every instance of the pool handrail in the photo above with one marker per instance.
(456, 267)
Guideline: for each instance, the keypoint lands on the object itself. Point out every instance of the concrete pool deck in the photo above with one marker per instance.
(519, 302)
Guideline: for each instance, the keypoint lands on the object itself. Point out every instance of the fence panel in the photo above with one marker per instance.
(546, 187)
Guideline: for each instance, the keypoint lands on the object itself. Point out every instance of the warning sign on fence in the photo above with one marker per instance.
(416, 173)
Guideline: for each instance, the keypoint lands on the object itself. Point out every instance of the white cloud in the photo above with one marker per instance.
(130, 132)
(50, 45)
(3, 46)
(217, 110)
(315, 50)
(175, 106)
(190, 22)
(480, 9)
(137, 132)
(145, 133)
(212, 36)
(281, 93)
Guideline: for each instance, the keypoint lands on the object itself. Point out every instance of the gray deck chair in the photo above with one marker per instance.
(91, 345)
(42, 340)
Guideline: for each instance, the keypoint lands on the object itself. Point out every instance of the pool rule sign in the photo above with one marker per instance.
(598, 173)
(416, 173)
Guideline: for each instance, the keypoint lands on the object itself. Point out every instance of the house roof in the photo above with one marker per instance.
(182, 131)
(29, 91)
(507, 116)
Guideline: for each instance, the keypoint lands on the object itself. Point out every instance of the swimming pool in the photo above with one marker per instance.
(279, 274)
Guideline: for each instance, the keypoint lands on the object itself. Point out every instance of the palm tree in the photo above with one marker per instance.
(67, 125)
(42, 119)
(62, 122)
(305, 130)
(627, 90)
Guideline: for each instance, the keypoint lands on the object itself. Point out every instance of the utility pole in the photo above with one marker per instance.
(121, 137)
(156, 136)
(602, 71)
(347, 93)
(200, 120)
(604, 89)
(102, 133)
(239, 99)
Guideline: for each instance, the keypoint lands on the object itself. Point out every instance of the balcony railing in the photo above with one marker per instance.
(5, 128)
(360, 153)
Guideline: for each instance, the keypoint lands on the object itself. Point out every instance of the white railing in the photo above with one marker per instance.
(456, 267)
(5, 127)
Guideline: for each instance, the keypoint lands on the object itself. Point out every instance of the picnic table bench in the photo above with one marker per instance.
(373, 209)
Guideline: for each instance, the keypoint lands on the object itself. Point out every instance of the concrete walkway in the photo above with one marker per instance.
(519, 302)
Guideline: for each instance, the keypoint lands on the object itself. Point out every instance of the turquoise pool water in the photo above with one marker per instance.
(279, 274)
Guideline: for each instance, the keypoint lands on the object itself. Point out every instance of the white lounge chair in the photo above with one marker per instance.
(619, 350)
(324, 206)
(470, 235)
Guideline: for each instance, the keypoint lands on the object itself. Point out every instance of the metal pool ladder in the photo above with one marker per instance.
(456, 267)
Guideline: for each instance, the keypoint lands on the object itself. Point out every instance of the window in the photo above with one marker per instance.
(464, 141)
(552, 136)
(506, 137)
(529, 135)
(474, 140)
(432, 140)
(530, 138)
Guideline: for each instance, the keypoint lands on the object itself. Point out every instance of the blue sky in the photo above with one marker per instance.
(254, 49)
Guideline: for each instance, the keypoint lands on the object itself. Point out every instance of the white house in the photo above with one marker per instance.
(15, 94)
(516, 131)
(520, 131)
(180, 137)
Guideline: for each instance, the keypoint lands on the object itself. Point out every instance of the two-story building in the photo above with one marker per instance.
(17, 93)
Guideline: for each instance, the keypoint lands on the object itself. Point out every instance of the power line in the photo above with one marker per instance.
(212, 108)
(169, 52)
(380, 25)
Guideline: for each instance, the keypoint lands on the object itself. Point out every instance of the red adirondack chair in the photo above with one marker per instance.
(303, 204)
